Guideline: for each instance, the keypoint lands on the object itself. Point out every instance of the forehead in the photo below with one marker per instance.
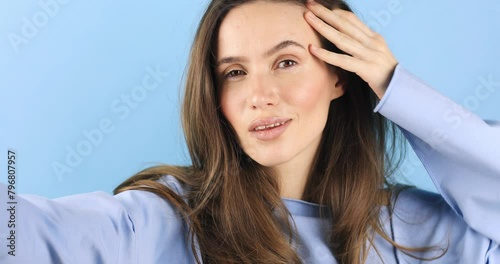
(257, 26)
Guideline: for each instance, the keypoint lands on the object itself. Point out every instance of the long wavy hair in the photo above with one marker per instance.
(233, 204)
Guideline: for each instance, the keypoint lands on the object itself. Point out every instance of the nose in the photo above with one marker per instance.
(264, 92)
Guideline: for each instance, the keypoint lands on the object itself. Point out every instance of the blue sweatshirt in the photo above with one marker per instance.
(460, 151)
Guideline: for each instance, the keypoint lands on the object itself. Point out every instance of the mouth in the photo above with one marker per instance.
(268, 123)
(268, 128)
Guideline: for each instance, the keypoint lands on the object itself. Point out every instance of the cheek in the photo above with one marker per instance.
(309, 95)
(230, 107)
(306, 96)
(225, 106)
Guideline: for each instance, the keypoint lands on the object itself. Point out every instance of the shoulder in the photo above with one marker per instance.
(424, 219)
(413, 207)
(173, 183)
(145, 207)
(157, 222)
(407, 199)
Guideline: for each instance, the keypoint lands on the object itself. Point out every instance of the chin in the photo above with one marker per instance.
(271, 160)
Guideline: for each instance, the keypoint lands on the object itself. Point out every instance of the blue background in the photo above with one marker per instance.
(64, 67)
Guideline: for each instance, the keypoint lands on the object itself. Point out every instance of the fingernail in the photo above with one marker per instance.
(313, 48)
(310, 15)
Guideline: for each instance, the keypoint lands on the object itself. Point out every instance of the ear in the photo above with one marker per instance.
(338, 77)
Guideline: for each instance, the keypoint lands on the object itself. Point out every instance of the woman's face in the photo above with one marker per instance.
(274, 92)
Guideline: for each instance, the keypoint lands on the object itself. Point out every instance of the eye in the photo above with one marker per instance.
(234, 74)
(286, 63)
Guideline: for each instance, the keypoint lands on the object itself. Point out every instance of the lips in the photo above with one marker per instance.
(268, 128)
(260, 128)
(266, 123)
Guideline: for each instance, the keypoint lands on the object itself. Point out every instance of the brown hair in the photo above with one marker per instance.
(233, 204)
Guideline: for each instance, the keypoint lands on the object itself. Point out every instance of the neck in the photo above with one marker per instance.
(293, 180)
(293, 175)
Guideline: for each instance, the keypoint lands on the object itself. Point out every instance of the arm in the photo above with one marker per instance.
(86, 228)
(130, 227)
(460, 151)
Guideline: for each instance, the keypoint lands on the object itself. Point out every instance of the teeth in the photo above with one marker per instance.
(269, 126)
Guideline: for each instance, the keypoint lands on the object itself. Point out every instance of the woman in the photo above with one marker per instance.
(290, 162)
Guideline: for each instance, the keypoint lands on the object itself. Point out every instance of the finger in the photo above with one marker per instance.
(341, 22)
(353, 18)
(343, 61)
(341, 40)
(375, 41)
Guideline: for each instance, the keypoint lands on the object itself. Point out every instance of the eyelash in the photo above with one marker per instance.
(231, 74)
(235, 73)
(292, 61)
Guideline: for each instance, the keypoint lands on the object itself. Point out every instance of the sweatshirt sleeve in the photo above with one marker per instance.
(130, 227)
(459, 150)
(85, 228)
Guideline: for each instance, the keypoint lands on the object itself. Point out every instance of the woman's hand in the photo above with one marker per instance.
(370, 57)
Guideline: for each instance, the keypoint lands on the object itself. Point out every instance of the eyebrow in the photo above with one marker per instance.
(273, 50)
